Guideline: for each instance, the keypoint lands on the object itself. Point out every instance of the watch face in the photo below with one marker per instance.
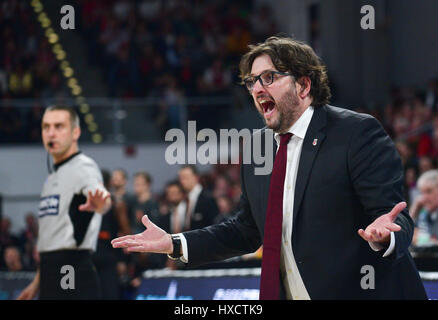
(176, 240)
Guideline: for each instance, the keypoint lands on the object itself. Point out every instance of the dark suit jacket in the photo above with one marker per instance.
(205, 211)
(349, 178)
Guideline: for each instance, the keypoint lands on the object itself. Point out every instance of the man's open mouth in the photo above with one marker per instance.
(268, 107)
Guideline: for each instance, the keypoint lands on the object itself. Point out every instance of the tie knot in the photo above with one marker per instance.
(284, 138)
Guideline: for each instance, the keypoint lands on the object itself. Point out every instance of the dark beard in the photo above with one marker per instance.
(287, 113)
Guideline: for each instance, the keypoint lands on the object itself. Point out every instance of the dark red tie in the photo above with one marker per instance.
(270, 278)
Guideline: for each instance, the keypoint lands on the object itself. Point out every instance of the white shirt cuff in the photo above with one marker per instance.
(377, 247)
(185, 256)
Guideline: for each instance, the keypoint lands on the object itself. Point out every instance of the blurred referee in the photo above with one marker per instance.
(68, 224)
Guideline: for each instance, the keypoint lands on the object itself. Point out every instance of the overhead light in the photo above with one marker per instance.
(92, 127)
(53, 38)
(64, 64)
(76, 90)
(89, 118)
(72, 82)
(68, 72)
(49, 31)
(46, 23)
(42, 16)
(97, 138)
(61, 55)
(84, 108)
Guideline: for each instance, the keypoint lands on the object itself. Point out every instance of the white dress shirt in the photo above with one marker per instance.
(294, 285)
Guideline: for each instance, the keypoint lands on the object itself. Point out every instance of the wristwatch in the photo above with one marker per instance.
(176, 254)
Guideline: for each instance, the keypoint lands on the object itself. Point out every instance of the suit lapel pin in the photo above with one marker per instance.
(315, 141)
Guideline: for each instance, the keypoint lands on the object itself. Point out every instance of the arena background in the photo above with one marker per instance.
(135, 69)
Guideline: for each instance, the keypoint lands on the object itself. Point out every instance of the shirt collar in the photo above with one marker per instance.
(195, 191)
(57, 165)
(299, 128)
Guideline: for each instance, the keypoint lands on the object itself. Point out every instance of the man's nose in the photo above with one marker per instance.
(51, 132)
(258, 88)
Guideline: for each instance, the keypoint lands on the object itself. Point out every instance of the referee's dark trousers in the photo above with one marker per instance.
(68, 275)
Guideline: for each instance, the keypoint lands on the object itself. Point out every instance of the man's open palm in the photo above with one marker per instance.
(153, 239)
(381, 228)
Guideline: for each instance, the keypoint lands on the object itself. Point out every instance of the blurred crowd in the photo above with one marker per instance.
(154, 47)
(173, 50)
(28, 70)
(411, 120)
(168, 50)
(191, 201)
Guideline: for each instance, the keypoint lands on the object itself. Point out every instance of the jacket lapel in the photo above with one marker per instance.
(315, 135)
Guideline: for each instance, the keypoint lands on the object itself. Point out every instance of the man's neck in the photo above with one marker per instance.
(59, 158)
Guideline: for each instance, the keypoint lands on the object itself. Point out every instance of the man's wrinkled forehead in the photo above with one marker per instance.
(55, 116)
(261, 63)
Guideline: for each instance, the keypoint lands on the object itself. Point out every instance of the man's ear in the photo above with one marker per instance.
(76, 133)
(305, 85)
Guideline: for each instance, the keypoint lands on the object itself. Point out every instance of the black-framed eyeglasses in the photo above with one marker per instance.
(266, 78)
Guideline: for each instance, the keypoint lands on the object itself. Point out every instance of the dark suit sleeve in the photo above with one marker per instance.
(377, 175)
(236, 236)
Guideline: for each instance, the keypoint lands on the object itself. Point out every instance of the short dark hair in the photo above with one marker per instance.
(123, 172)
(74, 117)
(146, 176)
(191, 167)
(175, 183)
(295, 57)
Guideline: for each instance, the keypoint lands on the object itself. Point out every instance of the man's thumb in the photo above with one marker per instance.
(145, 220)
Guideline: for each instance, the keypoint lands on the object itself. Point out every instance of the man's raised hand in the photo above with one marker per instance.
(380, 230)
(100, 201)
(153, 239)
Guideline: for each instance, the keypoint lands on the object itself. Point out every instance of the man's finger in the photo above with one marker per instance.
(126, 244)
(146, 222)
(364, 235)
(393, 227)
(116, 240)
(399, 207)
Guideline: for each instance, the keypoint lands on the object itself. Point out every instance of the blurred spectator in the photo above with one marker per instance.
(222, 186)
(174, 208)
(12, 258)
(425, 163)
(424, 211)
(105, 258)
(123, 201)
(201, 206)
(225, 205)
(408, 158)
(431, 97)
(28, 239)
(143, 202)
(6, 237)
(411, 189)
